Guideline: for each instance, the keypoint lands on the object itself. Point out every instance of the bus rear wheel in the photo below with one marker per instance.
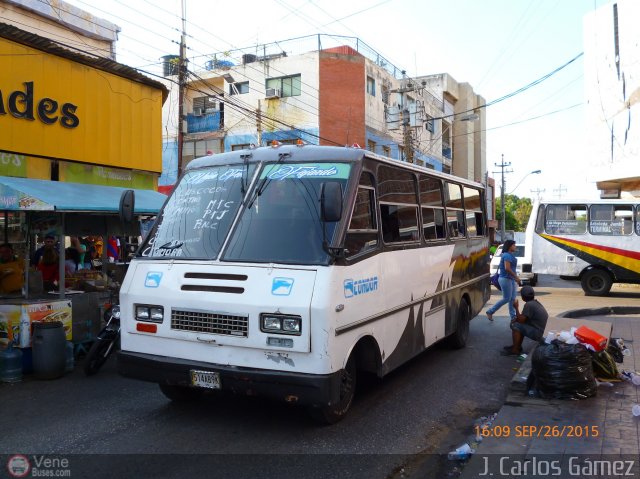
(336, 412)
(458, 339)
(596, 282)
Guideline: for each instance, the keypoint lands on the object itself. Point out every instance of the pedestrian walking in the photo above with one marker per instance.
(508, 279)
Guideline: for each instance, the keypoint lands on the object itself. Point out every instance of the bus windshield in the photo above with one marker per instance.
(280, 221)
(197, 217)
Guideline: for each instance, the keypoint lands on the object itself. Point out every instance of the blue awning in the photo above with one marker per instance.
(27, 194)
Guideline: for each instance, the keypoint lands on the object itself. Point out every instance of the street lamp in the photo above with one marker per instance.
(503, 219)
(534, 172)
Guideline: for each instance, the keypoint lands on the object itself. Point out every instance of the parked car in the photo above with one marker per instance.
(524, 264)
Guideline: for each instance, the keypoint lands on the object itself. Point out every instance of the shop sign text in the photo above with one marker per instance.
(21, 104)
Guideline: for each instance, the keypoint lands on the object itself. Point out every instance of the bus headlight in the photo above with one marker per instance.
(154, 314)
(280, 324)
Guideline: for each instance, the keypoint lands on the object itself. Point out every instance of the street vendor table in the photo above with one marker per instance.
(79, 313)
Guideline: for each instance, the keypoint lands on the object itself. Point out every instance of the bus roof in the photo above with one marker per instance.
(564, 201)
(313, 153)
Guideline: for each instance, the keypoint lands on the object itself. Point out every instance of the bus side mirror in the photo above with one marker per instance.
(331, 201)
(127, 203)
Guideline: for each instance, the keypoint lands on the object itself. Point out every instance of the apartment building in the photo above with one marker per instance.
(323, 90)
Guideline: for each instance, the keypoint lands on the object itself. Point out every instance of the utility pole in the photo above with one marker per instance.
(537, 191)
(182, 78)
(259, 123)
(407, 86)
(406, 134)
(559, 190)
(502, 165)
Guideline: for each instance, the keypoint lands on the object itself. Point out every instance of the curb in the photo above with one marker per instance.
(606, 311)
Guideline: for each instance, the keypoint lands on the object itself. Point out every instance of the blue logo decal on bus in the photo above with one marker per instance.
(282, 286)
(360, 286)
(153, 279)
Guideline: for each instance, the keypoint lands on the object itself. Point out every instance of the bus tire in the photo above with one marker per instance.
(596, 282)
(458, 339)
(336, 412)
(180, 393)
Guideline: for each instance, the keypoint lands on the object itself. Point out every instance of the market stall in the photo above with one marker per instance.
(34, 208)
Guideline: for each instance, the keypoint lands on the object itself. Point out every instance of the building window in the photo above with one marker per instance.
(205, 104)
(288, 86)
(239, 88)
(386, 151)
(371, 86)
(430, 124)
(371, 146)
(240, 146)
(447, 150)
(385, 95)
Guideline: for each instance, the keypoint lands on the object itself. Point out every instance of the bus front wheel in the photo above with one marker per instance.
(596, 282)
(459, 339)
(336, 412)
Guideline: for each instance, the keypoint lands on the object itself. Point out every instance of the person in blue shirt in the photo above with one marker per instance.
(508, 278)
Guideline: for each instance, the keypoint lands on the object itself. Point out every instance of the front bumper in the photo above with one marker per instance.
(306, 389)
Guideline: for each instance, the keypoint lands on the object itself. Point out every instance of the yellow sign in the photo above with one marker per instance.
(56, 108)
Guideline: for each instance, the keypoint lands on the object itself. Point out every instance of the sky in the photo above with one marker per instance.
(497, 46)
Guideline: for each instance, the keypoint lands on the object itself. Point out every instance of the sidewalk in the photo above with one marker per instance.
(533, 437)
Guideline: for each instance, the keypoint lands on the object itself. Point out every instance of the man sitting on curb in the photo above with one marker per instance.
(530, 323)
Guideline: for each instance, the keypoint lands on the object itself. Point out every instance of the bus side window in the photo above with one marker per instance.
(433, 226)
(398, 205)
(473, 208)
(455, 211)
(362, 234)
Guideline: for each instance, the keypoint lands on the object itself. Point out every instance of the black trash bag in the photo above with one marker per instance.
(614, 349)
(563, 371)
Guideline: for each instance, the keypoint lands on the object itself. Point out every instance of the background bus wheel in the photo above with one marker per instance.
(596, 282)
(180, 393)
(459, 339)
(336, 412)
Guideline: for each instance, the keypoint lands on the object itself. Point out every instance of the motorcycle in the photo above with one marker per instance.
(107, 341)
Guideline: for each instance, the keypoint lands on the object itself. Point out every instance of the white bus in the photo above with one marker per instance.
(595, 241)
(285, 271)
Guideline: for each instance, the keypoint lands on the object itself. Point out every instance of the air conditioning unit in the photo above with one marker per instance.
(273, 93)
(197, 112)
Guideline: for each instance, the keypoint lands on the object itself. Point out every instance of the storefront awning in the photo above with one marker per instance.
(27, 194)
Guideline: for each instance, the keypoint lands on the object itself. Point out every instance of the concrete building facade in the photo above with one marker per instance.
(612, 88)
(328, 91)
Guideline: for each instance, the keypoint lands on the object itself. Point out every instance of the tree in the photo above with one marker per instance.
(516, 212)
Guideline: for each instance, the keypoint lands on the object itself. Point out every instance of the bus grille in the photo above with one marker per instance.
(212, 323)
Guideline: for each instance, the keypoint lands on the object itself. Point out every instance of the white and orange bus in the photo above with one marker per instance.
(595, 241)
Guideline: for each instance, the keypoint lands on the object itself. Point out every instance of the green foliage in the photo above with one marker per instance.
(516, 212)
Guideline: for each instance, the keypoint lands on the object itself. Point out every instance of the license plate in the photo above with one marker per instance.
(205, 379)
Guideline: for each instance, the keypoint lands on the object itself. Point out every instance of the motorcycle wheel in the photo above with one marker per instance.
(96, 356)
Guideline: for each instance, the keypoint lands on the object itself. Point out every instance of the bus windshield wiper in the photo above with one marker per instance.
(264, 182)
(171, 245)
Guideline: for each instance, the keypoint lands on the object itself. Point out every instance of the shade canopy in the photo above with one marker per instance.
(27, 194)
